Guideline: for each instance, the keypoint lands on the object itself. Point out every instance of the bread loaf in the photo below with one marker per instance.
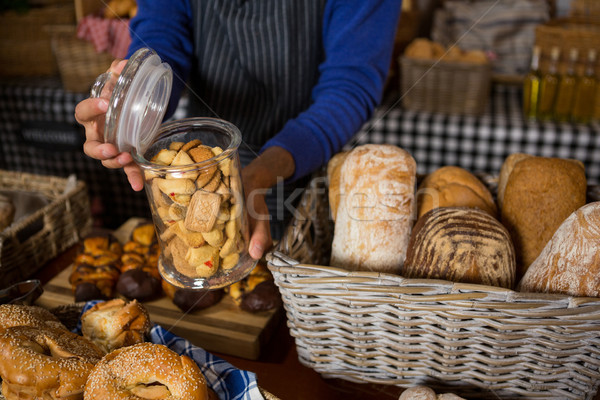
(570, 261)
(540, 193)
(461, 244)
(452, 186)
(376, 209)
(333, 179)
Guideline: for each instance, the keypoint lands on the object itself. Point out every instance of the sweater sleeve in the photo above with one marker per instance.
(358, 39)
(166, 27)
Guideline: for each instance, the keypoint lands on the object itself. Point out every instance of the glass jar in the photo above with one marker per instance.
(191, 173)
(193, 183)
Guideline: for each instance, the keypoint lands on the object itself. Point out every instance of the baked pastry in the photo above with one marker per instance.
(539, 194)
(461, 244)
(452, 186)
(570, 262)
(45, 363)
(22, 315)
(257, 291)
(376, 211)
(139, 278)
(96, 268)
(148, 371)
(116, 323)
(189, 300)
(7, 212)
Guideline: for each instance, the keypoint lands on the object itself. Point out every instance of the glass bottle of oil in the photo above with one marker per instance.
(531, 85)
(549, 86)
(566, 89)
(585, 95)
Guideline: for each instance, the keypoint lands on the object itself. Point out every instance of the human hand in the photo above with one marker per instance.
(273, 165)
(91, 113)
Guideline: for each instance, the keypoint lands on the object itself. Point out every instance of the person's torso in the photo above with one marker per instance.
(257, 62)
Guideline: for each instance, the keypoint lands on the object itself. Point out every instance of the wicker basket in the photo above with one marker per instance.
(474, 340)
(78, 62)
(25, 48)
(444, 87)
(33, 240)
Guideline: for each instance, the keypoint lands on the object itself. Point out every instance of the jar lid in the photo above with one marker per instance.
(139, 97)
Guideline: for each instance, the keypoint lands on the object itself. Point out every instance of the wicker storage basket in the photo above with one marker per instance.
(474, 340)
(444, 87)
(78, 62)
(42, 235)
(25, 48)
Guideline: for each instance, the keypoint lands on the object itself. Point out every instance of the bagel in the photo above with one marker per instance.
(146, 371)
(19, 315)
(45, 363)
(116, 323)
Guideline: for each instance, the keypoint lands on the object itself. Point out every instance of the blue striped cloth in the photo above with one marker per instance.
(228, 382)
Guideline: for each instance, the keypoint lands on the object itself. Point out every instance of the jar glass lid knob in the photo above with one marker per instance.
(138, 101)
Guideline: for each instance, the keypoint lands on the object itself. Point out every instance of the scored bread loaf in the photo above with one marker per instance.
(461, 244)
(539, 194)
(376, 209)
(452, 186)
(570, 261)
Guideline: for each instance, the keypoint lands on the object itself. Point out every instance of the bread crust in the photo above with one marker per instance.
(540, 194)
(461, 244)
(452, 186)
(376, 209)
(570, 262)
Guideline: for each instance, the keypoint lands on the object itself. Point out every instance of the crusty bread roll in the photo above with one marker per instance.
(461, 244)
(570, 261)
(452, 186)
(376, 210)
(333, 178)
(540, 193)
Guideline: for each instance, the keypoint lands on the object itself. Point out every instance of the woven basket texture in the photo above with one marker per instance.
(454, 88)
(33, 240)
(69, 316)
(474, 340)
(79, 64)
(25, 48)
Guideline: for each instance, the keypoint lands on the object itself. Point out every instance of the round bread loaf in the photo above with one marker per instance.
(376, 210)
(461, 244)
(333, 178)
(452, 186)
(540, 193)
(570, 262)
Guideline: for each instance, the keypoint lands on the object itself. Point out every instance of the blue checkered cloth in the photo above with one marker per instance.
(227, 381)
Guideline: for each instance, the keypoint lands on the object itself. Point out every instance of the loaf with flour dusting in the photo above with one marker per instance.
(461, 244)
(570, 262)
(376, 209)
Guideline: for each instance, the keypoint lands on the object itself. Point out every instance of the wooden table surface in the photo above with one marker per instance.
(278, 370)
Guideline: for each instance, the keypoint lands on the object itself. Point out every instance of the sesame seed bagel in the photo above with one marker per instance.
(18, 315)
(45, 363)
(146, 371)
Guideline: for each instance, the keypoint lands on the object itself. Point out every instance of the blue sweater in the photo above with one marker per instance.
(358, 37)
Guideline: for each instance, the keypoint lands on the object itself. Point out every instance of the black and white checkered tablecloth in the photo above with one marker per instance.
(480, 144)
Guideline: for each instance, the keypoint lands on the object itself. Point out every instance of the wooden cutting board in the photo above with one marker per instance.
(222, 328)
